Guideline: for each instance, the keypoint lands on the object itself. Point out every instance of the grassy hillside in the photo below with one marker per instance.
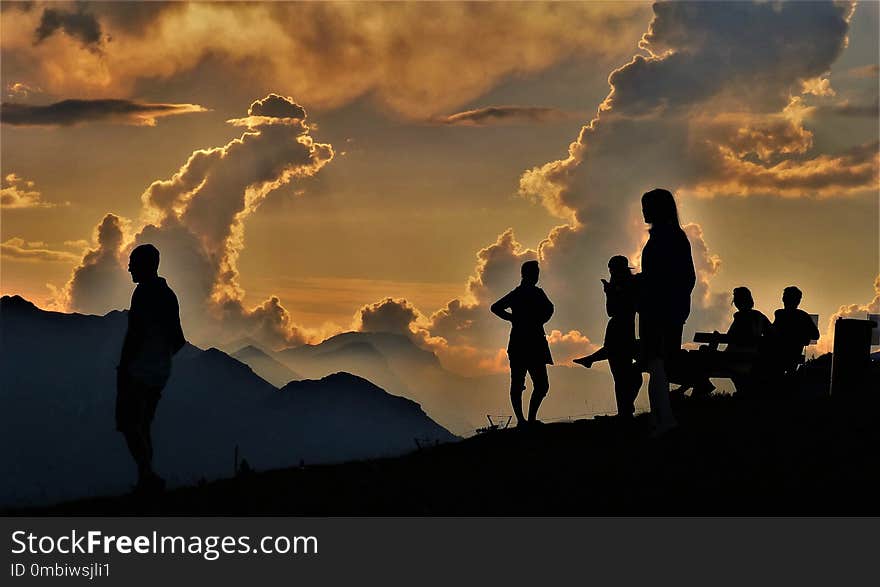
(730, 456)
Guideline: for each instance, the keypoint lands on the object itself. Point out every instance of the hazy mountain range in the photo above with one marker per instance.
(57, 396)
(398, 365)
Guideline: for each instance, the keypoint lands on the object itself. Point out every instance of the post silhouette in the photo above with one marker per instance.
(665, 285)
(153, 337)
(528, 308)
(619, 346)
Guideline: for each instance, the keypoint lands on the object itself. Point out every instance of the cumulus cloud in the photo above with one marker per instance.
(498, 115)
(464, 334)
(327, 54)
(395, 315)
(74, 112)
(196, 219)
(99, 283)
(706, 108)
(860, 311)
(709, 308)
(569, 346)
(18, 192)
(17, 249)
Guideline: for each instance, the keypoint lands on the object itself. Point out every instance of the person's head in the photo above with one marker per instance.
(658, 207)
(618, 266)
(742, 298)
(791, 297)
(143, 263)
(529, 272)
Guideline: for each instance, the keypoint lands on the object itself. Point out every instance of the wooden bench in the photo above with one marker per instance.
(714, 339)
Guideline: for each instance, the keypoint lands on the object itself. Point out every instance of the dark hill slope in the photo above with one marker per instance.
(57, 397)
(729, 457)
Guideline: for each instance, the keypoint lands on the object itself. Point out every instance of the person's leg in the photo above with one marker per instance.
(136, 446)
(635, 386)
(151, 401)
(128, 411)
(658, 393)
(622, 372)
(540, 386)
(517, 385)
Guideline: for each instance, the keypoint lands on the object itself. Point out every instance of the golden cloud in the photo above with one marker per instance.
(16, 249)
(20, 193)
(416, 58)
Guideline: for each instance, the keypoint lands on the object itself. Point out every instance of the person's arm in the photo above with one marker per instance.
(175, 331)
(547, 310)
(133, 335)
(689, 279)
(500, 308)
(812, 330)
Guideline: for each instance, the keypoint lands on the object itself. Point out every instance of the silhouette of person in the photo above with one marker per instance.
(619, 347)
(665, 285)
(154, 335)
(528, 308)
(746, 336)
(793, 328)
(749, 325)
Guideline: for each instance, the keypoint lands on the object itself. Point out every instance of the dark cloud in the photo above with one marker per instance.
(73, 112)
(493, 115)
(133, 17)
(275, 106)
(272, 110)
(388, 315)
(77, 23)
(750, 51)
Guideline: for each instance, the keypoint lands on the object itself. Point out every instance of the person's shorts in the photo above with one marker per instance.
(537, 371)
(135, 403)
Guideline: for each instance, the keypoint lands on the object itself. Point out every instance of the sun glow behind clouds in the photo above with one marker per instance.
(701, 113)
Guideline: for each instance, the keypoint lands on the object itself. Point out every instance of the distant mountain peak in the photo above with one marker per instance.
(250, 351)
(17, 303)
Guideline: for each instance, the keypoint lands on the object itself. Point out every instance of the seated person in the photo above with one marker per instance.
(745, 337)
(749, 325)
(793, 329)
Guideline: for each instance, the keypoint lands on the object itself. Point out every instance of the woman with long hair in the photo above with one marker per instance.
(665, 285)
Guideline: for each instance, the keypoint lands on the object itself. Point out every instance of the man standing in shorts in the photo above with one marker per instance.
(154, 335)
(528, 309)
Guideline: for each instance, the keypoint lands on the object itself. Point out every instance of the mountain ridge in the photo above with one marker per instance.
(213, 406)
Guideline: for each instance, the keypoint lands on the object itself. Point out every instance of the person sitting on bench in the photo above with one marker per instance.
(745, 340)
(749, 326)
(793, 329)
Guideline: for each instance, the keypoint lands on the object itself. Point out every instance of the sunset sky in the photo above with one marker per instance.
(421, 152)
